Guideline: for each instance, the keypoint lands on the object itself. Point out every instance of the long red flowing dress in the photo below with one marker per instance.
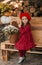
(26, 41)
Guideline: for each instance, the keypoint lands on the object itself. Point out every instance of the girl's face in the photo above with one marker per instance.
(24, 20)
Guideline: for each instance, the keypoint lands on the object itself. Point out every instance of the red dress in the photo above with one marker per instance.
(26, 41)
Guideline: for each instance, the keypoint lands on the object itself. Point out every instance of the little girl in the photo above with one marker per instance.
(26, 41)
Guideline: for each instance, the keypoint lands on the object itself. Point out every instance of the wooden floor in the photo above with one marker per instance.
(31, 59)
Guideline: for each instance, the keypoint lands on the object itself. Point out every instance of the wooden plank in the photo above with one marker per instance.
(37, 36)
(3, 44)
(10, 49)
(5, 55)
(34, 52)
(7, 42)
(36, 20)
(36, 28)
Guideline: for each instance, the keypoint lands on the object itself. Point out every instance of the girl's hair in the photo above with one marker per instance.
(26, 24)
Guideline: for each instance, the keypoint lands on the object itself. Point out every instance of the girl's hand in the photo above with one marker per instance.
(19, 25)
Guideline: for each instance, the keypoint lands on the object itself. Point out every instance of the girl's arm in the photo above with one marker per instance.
(19, 26)
(23, 30)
